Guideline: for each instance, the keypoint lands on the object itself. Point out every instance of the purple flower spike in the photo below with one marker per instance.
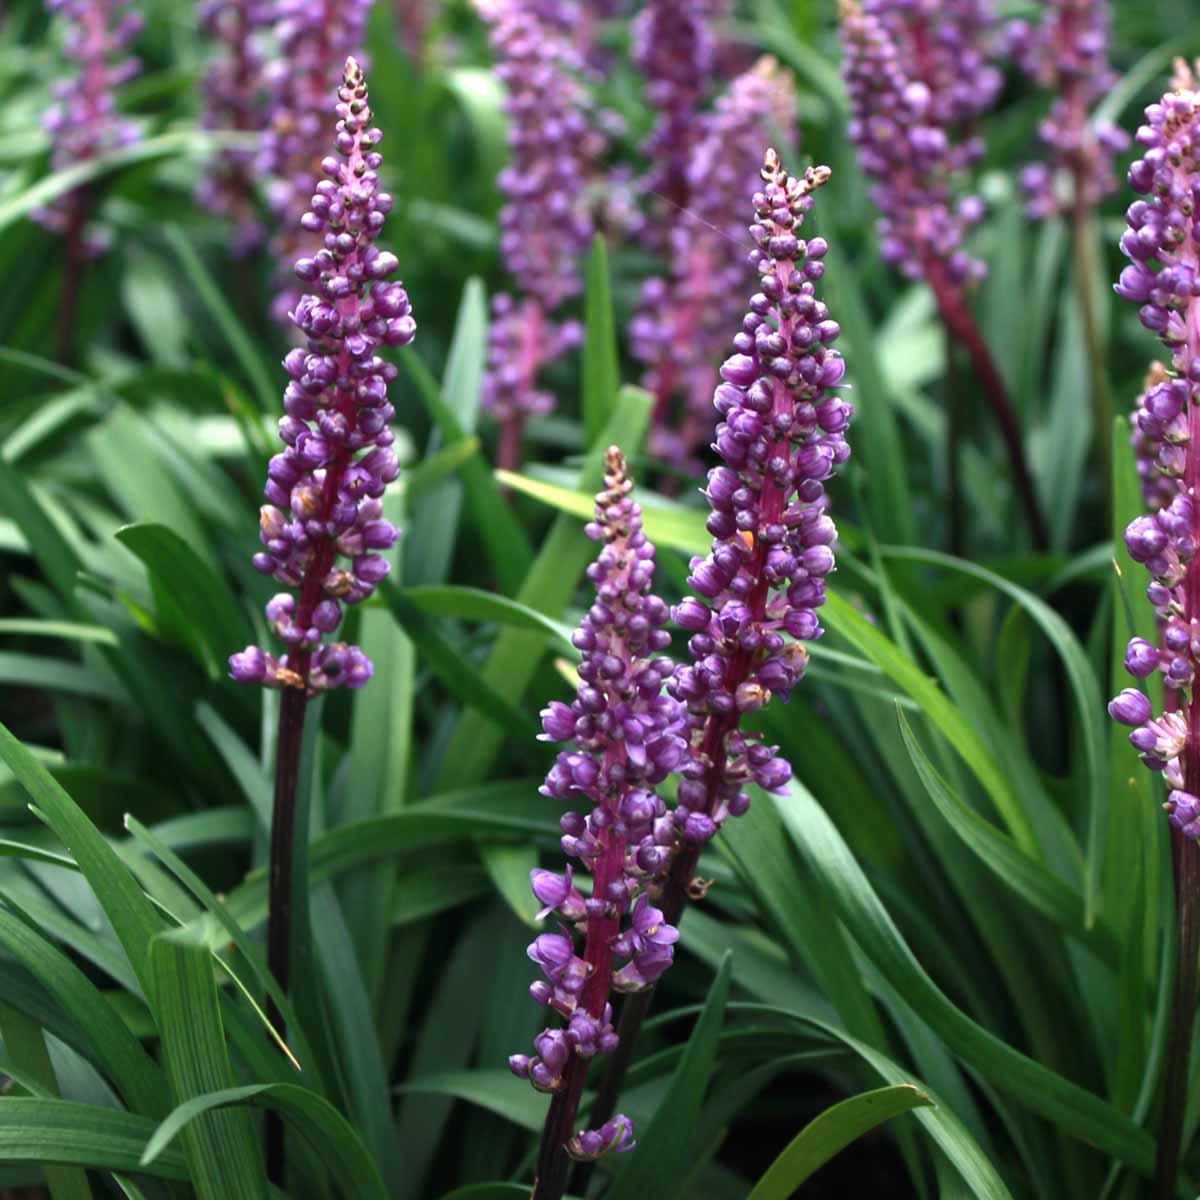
(1067, 53)
(83, 121)
(918, 75)
(681, 327)
(763, 581)
(556, 894)
(1162, 243)
(337, 459)
(545, 223)
(314, 38)
(234, 98)
(627, 739)
(674, 48)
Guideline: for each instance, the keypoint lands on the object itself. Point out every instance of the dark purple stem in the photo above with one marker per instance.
(554, 1164)
(292, 711)
(74, 267)
(1186, 855)
(508, 454)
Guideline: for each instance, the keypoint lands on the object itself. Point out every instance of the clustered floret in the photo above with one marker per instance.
(83, 121)
(545, 223)
(337, 459)
(918, 75)
(1067, 53)
(234, 100)
(1159, 433)
(1163, 243)
(681, 327)
(781, 435)
(314, 38)
(628, 738)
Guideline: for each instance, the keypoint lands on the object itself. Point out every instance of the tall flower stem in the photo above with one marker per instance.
(952, 307)
(1186, 855)
(292, 711)
(289, 743)
(74, 267)
(331, 477)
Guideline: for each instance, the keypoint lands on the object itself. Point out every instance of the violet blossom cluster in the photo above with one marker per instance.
(325, 489)
(545, 223)
(313, 39)
(918, 75)
(628, 737)
(234, 100)
(83, 121)
(1067, 53)
(674, 47)
(681, 327)
(1162, 241)
(781, 435)
(1158, 445)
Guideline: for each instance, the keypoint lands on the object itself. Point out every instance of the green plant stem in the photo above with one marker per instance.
(1186, 854)
(292, 710)
(1102, 406)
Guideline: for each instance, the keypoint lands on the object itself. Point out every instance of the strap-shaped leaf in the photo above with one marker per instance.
(831, 1132)
(36, 1130)
(132, 916)
(220, 1146)
(317, 1121)
(659, 1164)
